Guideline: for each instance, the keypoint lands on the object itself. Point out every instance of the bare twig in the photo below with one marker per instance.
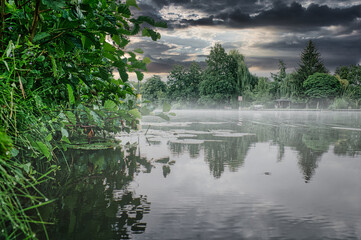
(35, 20)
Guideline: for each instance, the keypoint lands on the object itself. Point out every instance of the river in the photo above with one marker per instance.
(217, 175)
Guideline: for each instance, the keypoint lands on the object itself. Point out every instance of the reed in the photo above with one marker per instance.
(19, 197)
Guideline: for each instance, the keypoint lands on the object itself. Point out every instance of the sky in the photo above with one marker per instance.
(264, 31)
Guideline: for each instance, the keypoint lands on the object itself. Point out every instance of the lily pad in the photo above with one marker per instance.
(185, 131)
(163, 160)
(187, 141)
(212, 123)
(94, 146)
(233, 134)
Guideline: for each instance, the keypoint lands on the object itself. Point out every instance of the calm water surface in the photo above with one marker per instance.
(218, 175)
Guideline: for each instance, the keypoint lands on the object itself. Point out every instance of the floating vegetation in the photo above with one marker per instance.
(163, 160)
(94, 146)
(212, 123)
(179, 131)
(233, 134)
(188, 141)
(184, 135)
(167, 124)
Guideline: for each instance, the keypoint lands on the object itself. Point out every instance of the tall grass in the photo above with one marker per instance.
(24, 137)
(19, 197)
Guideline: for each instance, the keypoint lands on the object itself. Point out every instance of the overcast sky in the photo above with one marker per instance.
(264, 31)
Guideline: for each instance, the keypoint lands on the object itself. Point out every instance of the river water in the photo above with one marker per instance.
(218, 175)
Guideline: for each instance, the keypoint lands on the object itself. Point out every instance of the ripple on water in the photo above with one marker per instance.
(241, 216)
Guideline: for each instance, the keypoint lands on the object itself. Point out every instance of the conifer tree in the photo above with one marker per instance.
(310, 64)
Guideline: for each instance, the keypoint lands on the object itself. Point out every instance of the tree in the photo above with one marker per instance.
(278, 80)
(154, 89)
(194, 78)
(262, 90)
(183, 83)
(322, 86)
(244, 78)
(219, 84)
(288, 85)
(350, 77)
(351, 73)
(310, 63)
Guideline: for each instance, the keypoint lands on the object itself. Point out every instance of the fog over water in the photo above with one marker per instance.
(226, 175)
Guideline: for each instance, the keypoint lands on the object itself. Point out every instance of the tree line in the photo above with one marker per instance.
(226, 77)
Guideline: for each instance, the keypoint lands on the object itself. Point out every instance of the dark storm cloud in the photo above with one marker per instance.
(333, 25)
(166, 65)
(253, 13)
(334, 51)
(154, 49)
(297, 16)
(162, 60)
(271, 63)
(288, 16)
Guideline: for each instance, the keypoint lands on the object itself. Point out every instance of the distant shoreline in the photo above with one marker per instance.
(269, 110)
(301, 110)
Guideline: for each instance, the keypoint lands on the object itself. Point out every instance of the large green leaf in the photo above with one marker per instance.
(151, 33)
(140, 75)
(110, 56)
(147, 60)
(97, 120)
(65, 139)
(64, 132)
(71, 117)
(116, 39)
(70, 94)
(110, 105)
(124, 9)
(108, 47)
(135, 113)
(40, 36)
(43, 149)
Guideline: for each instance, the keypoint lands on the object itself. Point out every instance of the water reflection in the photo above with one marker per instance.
(307, 136)
(95, 201)
(216, 176)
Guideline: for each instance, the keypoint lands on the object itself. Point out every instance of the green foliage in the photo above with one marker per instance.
(154, 89)
(18, 182)
(350, 73)
(56, 78)
(61, 54)
(288, 85)
(279, 81)
(310, 64)
(262, 90)
(5, 145)
(219, 81)
(245, 80)
(339, 103)
(322, 86)
(183, 83)
(350, 78)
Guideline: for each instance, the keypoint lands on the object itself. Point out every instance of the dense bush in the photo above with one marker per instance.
(56, 78)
